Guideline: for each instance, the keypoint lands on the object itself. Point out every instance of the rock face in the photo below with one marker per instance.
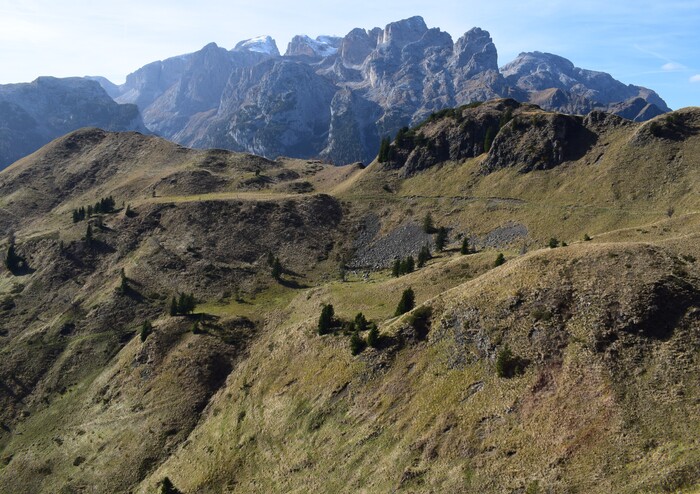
(32, 114)
(579, 90)
(335, 98)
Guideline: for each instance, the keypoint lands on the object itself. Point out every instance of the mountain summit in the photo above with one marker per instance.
(335, 97)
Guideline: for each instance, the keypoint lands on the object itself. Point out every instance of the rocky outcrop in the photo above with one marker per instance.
(514, 135)
(373, 82)
(32, 114)
(538, 141)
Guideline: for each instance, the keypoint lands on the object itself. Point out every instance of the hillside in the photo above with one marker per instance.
(600, 392)
(33, 114)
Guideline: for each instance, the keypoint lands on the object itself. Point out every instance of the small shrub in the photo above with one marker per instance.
(586, 238)
(500, 259)
(553, 243)
(540, 314)
(420, 320)
(509, 365)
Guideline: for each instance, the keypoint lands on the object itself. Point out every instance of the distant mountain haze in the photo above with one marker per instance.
(32, 114)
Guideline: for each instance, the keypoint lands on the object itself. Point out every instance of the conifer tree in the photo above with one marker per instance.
(500, 259)
(465, 246)
(410, 264)
(13, 261)
(360, 322)
(276, 269)
(88, 235)
(174, 309)
(441, 238)
(396, 268)
(146, 329)
(373, 336)
(357, 344)
(423, 256)
(124, 285)
(407, 302)
(428, 226)
(325, 321)
(384, 150)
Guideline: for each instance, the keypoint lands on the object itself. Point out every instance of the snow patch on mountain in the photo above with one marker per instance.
(259, 44)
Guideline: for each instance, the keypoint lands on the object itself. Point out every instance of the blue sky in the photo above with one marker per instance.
(649, 43)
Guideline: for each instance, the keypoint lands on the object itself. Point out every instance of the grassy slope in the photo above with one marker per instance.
(301, 414)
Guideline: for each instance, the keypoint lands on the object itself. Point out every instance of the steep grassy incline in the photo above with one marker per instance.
(608, 401)
(597, 343)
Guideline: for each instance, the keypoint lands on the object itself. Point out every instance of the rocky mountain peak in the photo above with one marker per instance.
(322, 46)
(356, 46)
(476, 52)
(403, 32)
(259, 44)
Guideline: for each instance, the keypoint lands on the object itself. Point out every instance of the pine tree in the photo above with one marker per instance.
(186, 304)
(89, 210)
(124, 285)
(441, 238)
(167, 487)
(407, 302)
(488, 139)
(276, 269)
(465, 246)
(146, 329)
(76, 216)
(360, 322)
(428, 226)
(174, 309)
(396, 268)
(357, 344)
(500, 259)
(373, 336)
(410, 264)
(195, 328)
(384, 150)
(423, 256)
(325, 321)
(88, 235)
(13, 261)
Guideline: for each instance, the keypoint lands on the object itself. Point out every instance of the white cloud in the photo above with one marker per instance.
(695, 78)
(672, 67)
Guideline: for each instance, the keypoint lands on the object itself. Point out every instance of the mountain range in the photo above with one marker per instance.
(330, 97)
(336, 97)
